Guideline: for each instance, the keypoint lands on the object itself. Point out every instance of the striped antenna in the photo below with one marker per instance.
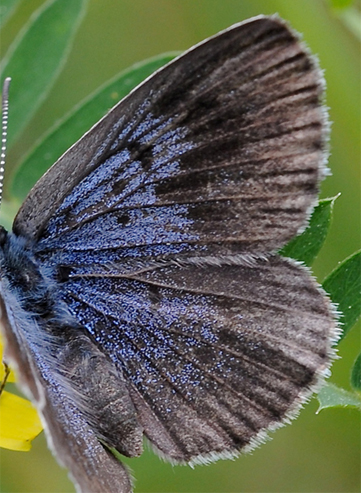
(4, 131)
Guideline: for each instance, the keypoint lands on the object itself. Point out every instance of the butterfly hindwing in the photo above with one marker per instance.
(213, 354)
(68, 396)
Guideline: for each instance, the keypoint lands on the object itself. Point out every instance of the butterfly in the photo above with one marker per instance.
(142, 294)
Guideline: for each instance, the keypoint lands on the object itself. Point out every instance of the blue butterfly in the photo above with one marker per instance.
(141, 294)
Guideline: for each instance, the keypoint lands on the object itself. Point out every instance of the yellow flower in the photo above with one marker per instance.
(19, 421)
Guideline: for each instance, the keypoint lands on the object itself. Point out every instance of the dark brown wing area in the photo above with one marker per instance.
(223, 147)
(213, 355)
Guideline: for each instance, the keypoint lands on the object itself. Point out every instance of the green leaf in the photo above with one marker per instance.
(340, 4)
(351, 18)
(356, 374)
(306, 246)
(332, 396)
(36, 57)
(8, 211)
(348, 12)
(7, 8)
(344, 287)
(73, 126)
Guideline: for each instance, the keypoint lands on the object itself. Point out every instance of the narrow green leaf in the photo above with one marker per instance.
(356, 374)
(8, 211)
(73, 126)
(306, 246)
(7, 8)
(332, 396)
(344, 287)
(340, 4)
(351, 18)
(36, 57)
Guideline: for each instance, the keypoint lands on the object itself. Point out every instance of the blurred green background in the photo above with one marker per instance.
(317, 453)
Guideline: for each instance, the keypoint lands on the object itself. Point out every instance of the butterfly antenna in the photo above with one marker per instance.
(4, 131)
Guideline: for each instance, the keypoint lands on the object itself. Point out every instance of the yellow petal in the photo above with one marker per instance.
(19, 422)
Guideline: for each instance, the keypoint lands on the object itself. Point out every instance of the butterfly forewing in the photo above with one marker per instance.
(222, 146)
(167, 311)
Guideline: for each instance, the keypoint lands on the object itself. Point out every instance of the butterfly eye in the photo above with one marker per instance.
(27, 278)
